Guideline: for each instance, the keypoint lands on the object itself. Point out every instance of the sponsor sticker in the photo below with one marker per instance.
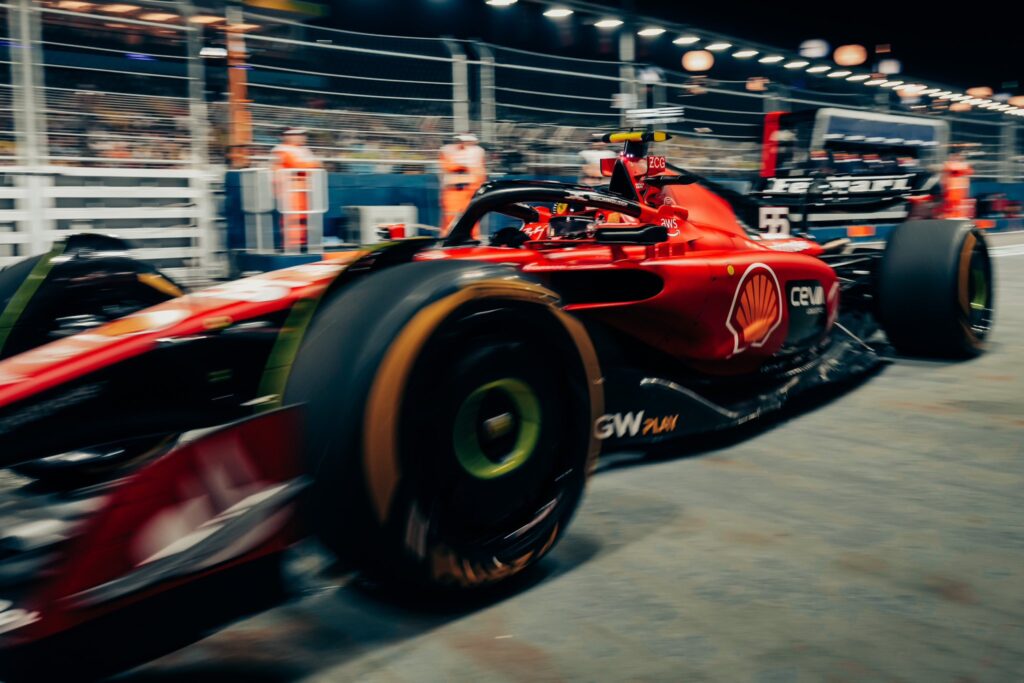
(631, 424)
(808, 306)
(841, 185)
(773, 220)
(756, 309)
(656, 165)
(795, 246)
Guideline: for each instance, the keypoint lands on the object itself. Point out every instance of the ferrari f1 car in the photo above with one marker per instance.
(429, 409)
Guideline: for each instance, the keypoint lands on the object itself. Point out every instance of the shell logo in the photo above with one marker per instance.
(756, 309)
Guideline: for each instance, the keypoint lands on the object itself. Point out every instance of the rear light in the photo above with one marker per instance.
(860, 231)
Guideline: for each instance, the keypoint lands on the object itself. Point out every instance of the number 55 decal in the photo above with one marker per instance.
(773, 219)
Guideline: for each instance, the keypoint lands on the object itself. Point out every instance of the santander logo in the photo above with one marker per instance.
(756, 309)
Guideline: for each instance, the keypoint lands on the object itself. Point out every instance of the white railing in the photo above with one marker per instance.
(160, 212)
(104, 130)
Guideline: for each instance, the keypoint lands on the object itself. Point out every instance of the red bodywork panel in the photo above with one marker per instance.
(166, 510)
(706, 209)
(64, 360)
(770, 144)
(701, 315)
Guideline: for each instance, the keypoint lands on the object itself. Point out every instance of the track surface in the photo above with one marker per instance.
(879, 537)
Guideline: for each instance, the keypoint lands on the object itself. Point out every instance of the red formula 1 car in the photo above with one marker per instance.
(429, 409)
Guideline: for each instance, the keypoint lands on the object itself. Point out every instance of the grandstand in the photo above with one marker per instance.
(89, 98)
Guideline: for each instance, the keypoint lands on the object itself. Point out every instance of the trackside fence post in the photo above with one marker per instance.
(460, 87)
(627, 74)
(208, 241)
(1007, 144)
(488, 108)
(30, 122)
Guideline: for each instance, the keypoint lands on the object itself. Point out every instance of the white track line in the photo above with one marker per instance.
(1008, 250)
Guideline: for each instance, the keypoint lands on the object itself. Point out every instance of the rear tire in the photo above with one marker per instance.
(448, 413)
(935, 289)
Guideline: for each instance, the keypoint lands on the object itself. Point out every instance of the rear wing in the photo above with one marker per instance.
(791, 139)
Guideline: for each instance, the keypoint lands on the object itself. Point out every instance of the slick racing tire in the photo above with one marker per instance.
(935, 289)
(448, 422)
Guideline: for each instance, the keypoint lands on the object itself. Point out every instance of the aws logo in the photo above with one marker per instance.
(619, 425)
(756, 308)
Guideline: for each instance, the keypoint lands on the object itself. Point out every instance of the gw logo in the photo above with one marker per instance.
(629, 424)
(807, 296)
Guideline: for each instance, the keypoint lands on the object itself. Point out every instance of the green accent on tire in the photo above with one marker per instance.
(467, 442)
(282, 355)
(19, 301)
(289, 339)
(980, 286)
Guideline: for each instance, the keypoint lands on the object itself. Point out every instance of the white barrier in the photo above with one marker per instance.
(165, 214)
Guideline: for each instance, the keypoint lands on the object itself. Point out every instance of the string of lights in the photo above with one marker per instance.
(848, 62)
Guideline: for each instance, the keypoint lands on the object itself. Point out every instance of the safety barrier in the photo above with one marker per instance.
(421, 191)
(104, 128)
(161, 212)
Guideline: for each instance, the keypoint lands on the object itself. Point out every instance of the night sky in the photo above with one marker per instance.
(933, 43)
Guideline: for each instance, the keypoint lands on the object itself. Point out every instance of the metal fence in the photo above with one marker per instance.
(104, 128)
(379, 104)
(114, 92)
(382, 103)
(125, 109)
(117, 91)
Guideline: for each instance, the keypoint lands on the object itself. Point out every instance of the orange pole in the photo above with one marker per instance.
(240, 118)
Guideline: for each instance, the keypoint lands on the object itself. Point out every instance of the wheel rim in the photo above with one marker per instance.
(978, 296)
(497, 428)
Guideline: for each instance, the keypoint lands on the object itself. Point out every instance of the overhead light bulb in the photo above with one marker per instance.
(686, 40)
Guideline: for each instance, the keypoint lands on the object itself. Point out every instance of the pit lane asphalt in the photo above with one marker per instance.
(878, 537)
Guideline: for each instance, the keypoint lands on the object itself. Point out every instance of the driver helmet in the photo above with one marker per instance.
(572, 227)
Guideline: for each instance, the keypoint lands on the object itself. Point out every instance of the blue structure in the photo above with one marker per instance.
(421, 191)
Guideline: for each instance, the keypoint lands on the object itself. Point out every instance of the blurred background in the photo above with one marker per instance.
(877, 537)
(140, 117)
